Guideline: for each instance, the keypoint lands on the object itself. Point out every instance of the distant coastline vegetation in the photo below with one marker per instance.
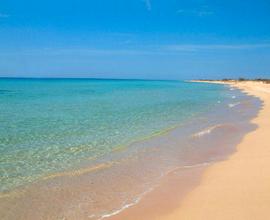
(240, 79)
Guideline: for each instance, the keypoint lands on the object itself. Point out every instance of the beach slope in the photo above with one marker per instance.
(237, 188)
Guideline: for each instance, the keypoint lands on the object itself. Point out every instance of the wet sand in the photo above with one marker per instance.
(236, 188)
(70, 197)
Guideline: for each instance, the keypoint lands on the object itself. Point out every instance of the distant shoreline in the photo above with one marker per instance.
(229, 81)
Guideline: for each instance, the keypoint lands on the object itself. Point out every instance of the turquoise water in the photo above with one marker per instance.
(52, 125)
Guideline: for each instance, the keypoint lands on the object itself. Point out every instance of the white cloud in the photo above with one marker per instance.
(199, 47)
(150, 50)
(148, 5)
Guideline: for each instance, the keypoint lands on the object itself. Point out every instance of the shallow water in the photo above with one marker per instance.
(88, 149)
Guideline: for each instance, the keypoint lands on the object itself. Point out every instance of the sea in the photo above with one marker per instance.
(90, 148)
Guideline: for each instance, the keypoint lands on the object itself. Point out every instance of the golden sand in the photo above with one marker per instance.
(234, 189)
(238, 188)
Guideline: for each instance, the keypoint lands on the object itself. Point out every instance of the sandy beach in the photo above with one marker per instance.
(236, 188)
(224, 171)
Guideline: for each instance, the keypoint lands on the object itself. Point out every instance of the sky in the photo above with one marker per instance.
(146, 39)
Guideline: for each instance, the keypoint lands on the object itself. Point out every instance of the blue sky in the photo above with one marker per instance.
(169, 39)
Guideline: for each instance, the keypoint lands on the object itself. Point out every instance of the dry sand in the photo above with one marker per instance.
(238, 188)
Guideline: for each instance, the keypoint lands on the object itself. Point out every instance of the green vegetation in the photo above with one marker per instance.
(241, 79)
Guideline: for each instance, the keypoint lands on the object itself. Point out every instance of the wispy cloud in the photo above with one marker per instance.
(200, 47)
(148, 5)
(2, 15)
(89, 52)
(147, 50)
(202, 11)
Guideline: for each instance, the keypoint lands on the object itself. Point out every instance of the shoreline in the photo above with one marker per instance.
(237, 188)
(162, 196)
(209, 191)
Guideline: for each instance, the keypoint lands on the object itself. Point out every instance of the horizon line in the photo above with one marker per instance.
(90, 78)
